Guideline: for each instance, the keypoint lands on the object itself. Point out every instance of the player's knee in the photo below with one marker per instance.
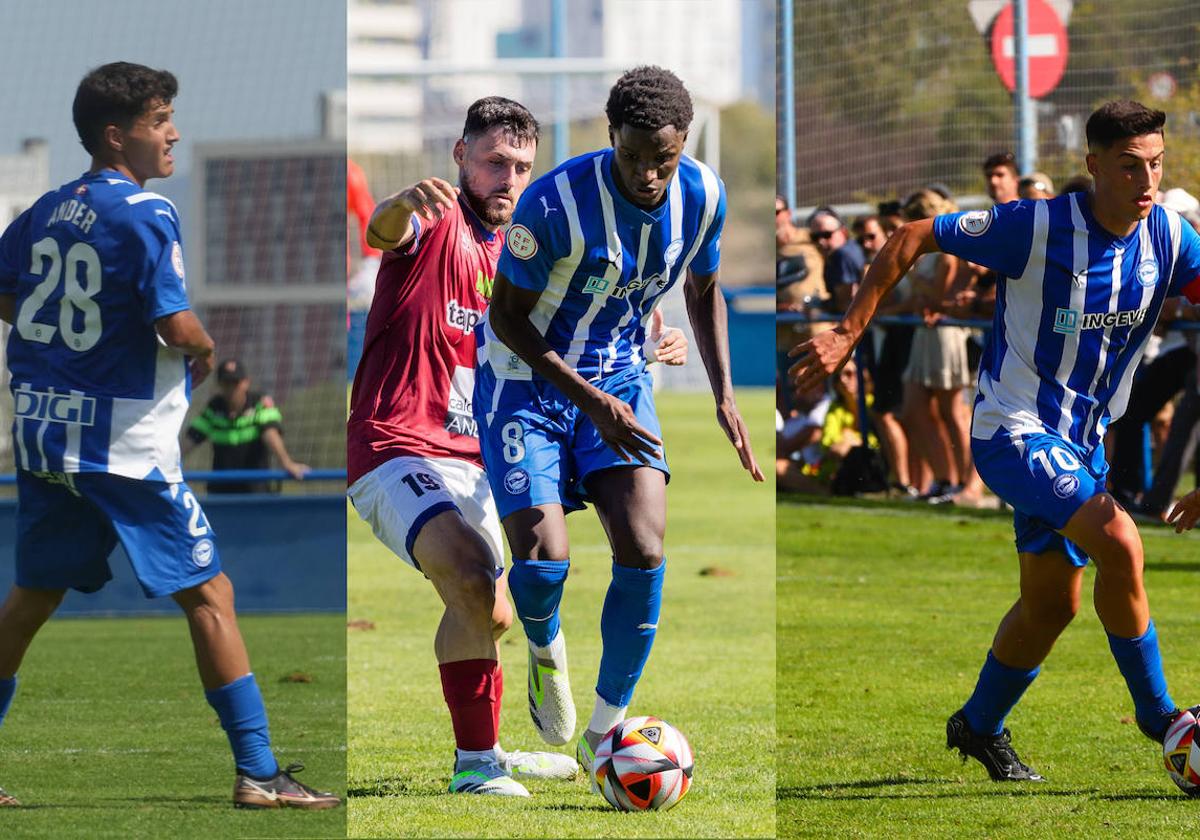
(1053, 613)
(209, 601)
(1120, 556)
(643, 552)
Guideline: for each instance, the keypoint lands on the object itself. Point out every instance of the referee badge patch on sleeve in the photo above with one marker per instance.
(976, 222)
(177, 258)
(521, 243)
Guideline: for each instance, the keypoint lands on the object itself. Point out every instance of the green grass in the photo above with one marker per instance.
(110, 736)
(712, 671)
(885, 616)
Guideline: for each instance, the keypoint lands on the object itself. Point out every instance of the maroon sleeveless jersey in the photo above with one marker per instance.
(412, 390)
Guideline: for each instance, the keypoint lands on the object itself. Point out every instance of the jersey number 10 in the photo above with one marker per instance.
(74, 296)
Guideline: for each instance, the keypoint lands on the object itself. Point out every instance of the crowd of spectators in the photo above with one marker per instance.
(913, 384)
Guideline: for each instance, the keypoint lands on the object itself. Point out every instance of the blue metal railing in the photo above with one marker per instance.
(231, 476)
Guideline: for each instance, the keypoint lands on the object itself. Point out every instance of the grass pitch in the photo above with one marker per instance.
(885, 616)
(712, 671)
(110, 736)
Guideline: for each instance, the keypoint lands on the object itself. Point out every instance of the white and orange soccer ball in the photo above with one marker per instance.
(1181, 751)
(643, 764)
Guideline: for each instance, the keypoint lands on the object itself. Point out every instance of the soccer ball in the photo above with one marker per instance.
(1181, 752)
(643, 764)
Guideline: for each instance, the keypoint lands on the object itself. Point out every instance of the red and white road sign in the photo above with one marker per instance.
(1047, 48)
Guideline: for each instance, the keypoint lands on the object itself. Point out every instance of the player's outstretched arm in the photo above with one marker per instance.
(822, 354)
(614, 419)
(391, 223)
(710, 324)
(8, 308)
(184, 332)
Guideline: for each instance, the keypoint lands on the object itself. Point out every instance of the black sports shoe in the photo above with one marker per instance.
(1165, 722)
(994, 752)
(282, 791)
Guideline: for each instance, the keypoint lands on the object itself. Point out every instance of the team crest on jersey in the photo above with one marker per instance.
(1066, 485)
(521, 242)
(177, 258)
(1147, 272)
(516, 481)
(976, 222)
(672, 253)
(202, 553)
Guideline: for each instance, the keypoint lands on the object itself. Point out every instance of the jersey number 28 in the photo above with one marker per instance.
(48, 262)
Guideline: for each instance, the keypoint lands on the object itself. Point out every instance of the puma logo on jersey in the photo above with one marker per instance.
(461, 317)
(547, 208)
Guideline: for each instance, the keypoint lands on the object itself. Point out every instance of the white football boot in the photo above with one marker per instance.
(484, 777)
(538, 765)
(585, 755)
(550, 703)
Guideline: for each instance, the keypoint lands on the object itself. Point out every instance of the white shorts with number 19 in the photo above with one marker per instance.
(398, 497)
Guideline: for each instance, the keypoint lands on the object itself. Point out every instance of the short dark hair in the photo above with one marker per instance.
(1120, 120)
(649, 98)
(491, 111)
(117, 94)
(1000, 159)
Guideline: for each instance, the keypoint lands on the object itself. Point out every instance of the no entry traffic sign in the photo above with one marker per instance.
(1047, 48)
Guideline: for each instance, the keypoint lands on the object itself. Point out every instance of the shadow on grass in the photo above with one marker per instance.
(868, 789)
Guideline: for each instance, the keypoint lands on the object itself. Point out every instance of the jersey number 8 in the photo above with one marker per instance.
(74, 296)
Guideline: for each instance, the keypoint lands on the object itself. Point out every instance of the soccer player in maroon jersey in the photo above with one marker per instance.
(414, 467)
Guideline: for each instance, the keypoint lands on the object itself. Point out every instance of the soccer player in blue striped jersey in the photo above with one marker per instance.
(1084, 277)
(103, 354)
(563, 399)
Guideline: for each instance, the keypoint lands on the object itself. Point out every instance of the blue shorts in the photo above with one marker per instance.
(539, 449)
(1045, 479)
(68, 524)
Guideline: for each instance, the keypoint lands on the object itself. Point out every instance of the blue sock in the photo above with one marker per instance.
(8, 688)
(243, 716)
(536, 587)
(997, 691)
(627, 626)
(1141, 666)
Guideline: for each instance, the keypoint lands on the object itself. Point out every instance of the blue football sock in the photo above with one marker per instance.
(627, 626)
(997, 691)
(243, 716)
(8, 688)
(1141, 666)
(536, 587)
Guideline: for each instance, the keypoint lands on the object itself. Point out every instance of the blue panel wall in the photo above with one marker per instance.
(283, 553)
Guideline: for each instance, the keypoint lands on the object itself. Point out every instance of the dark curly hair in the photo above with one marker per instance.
(1120, 120)
(116, 94)
(649, 98)
(491, 111)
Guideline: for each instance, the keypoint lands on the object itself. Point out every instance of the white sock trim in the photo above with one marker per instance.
(604, 716)
(556, 651)
(462, 757)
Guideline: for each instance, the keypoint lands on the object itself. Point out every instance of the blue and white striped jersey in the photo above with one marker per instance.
(1074, 308)
(93, 264)
(600, 262)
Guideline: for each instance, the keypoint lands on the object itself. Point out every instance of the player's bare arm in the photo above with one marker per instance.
(391, 223)
(707, 313)
(822, 354)
(614, 418)
(8, 308)
(184, 332)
